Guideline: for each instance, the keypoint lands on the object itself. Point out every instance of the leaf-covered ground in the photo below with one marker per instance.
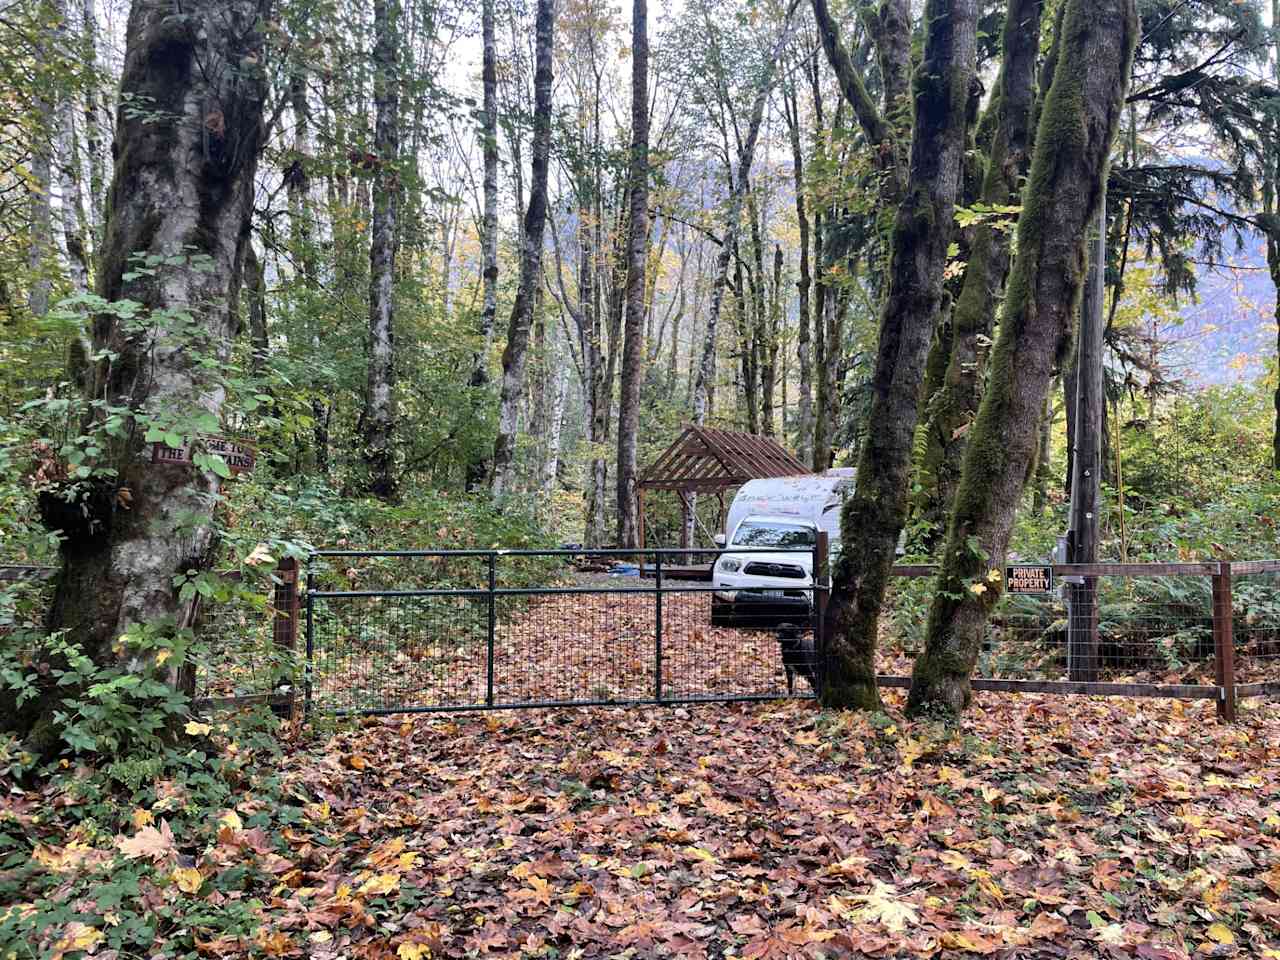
(1041, 828)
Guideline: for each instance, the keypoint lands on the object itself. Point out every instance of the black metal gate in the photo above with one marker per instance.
(417, 631)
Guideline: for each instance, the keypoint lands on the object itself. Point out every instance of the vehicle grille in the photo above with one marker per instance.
(784, 570)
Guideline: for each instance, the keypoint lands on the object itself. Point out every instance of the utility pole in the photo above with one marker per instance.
(1082, 533)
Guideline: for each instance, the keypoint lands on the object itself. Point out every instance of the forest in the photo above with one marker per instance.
(288, 276)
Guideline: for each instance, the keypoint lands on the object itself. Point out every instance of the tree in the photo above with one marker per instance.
(489, 230)
(637, 248)
(733, 214)
(804, 431)
(1077, 126)
(1271, 205)
(180, 197)
(875, 514)
(951, 409)
(516, 353)
(378, 418)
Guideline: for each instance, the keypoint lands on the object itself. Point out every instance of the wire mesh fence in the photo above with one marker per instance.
(526, 628)
(1132, 628)
(437, 630)
(1256, 622)
(245, 646)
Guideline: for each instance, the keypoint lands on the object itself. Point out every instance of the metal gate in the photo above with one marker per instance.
(417, 631)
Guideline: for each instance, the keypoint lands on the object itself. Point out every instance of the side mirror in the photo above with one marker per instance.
(719, 539)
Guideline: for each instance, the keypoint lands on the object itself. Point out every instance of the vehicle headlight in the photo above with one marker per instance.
(730, 565)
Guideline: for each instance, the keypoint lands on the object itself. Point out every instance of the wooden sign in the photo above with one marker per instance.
(1021, 579)
(240, 457)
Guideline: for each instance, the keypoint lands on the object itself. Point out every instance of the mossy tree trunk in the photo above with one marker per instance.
(951, 409)
(182, 188)
(874, 516)
(1073, 143)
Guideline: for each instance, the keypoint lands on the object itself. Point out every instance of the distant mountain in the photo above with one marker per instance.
(1228, 335)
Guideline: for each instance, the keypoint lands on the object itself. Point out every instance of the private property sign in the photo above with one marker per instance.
(1023, 579)
(238, 456)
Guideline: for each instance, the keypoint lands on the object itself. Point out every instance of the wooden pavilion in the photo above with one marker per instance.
(704, 460)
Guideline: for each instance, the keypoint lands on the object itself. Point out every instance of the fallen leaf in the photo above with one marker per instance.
(188, 879)
(148, 842)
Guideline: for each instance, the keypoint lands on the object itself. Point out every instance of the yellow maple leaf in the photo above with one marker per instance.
(142, 818)
(317, 812)
(1221, 933)
(386, 852)
(379, 884)
(968, 941)
(231, 820)
(413, 951)
(188, 879)
(909, 750)
(77, 936)
(196, 729)
(699, 853)
(162, 656)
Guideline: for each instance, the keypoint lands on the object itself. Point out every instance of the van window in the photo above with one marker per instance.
(754, 533)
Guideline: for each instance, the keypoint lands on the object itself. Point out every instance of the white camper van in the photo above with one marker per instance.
(785, 514)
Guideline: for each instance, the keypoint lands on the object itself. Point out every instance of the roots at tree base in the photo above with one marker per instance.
(847, 688)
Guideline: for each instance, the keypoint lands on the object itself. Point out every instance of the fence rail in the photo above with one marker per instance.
(430, 630)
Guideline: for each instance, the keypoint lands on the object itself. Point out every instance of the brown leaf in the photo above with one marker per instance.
(148, 842)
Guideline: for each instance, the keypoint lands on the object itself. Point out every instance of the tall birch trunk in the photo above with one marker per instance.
(1272, 207)
(183, 184)
(378, 420)
(633, 347)
(479, 381)
(804, 419)
(705, 382)
(875, 514)
(769, 350)
(75, 229)
(95, 119)
(555, 425)
(40, 247)
(1068, 173)
(516, 352)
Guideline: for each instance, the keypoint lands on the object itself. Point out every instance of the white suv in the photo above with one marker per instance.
(773, 583)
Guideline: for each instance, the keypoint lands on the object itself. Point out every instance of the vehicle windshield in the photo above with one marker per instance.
(758, 533)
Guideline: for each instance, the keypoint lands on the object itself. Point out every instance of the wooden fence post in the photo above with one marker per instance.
(1224, 644)
(284, 631)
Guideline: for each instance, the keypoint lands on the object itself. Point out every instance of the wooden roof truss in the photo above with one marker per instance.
(703, 459)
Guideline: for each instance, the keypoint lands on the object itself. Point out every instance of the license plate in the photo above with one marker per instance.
(774, 593)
